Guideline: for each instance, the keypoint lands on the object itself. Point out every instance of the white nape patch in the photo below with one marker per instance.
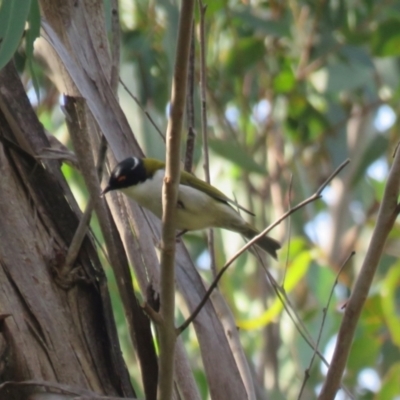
(135, 163)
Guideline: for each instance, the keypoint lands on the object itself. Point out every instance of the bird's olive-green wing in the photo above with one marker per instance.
(190, 180)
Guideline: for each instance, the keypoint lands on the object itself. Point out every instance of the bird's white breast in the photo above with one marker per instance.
(148, 193)
(196, 209)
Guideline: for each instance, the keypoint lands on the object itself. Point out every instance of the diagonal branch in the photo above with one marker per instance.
(214, 284)
(388, 212)
(324, 315)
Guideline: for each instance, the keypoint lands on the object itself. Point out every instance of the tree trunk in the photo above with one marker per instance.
(56, 325)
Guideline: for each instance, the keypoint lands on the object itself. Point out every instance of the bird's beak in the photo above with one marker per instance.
(105, 190)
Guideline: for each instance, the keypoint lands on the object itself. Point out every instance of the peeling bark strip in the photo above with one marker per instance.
(54, 334)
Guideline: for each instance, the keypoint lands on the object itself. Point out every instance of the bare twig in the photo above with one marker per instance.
(167, 334)
(203, 90)
(191, 136)
(115, 46)
(146, 113)
(213, 285)
(289, 230)
(309, 42)
(80, 233)
(324, 314)
(153, 315)
(314, 197)
(203, 98)
(388, 212)
(203, 301)
(297, 321)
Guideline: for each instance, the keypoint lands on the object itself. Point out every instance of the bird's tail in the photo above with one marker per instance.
(265, 242)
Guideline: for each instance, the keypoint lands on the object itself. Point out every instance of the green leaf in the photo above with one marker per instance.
(296, 246)
(376, 148)
(391, 384)
(13, 15)
(214, 6)
(285, 81)
(386, 39)
(389, 301)
(321, 280)
(247, 52)
(263, 24)
(372, 314)
(348, 77)
(294, 275)
(359, 358)
(304, 121)
(33, 31)
(378, 188)
(234, 153)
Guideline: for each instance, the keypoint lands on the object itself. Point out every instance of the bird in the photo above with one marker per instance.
(199, 206)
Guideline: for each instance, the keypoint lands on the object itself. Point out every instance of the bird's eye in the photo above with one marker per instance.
(121, 178)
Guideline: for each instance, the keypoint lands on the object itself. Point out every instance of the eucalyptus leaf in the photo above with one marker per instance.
(348, 76)
(244, 55)
(376, 148)
(386, 39)
(13, 15)
(390, 385)
(264, 23)
(236, 154)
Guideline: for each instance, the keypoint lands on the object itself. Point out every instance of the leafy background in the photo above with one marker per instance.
(293, 89)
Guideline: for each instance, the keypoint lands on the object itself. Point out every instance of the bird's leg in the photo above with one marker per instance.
(180, 205)
(180, 234)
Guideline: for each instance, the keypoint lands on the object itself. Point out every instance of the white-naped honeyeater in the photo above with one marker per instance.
(199, 206)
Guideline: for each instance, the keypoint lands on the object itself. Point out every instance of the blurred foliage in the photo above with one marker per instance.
(13, 16)
(294, 88)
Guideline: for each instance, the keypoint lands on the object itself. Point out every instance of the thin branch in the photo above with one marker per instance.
(309, 42)
(213, 285)
(388, 212)
(115, 45)
(146, 113)
(153, 315)
(191, 136)
(324, 314)
(297, 321)
(204, 124)
(289, 230)
(204, 300)
(203, 90)
(167, 334)
(80, 232)
(314, 197)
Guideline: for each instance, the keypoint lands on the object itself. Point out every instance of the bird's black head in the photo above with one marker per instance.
(128, 172)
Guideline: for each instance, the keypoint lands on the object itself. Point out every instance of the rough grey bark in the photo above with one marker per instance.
(55, 329)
